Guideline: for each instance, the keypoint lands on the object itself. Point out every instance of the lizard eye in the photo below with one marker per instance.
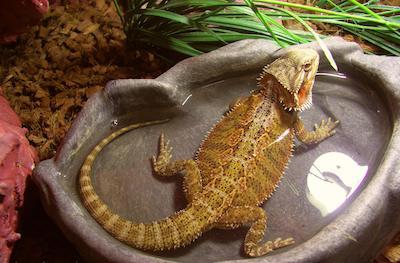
(307, 66)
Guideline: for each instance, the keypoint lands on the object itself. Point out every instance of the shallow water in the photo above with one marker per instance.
(319, 181)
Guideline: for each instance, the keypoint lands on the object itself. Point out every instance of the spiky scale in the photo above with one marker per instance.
(237, 167)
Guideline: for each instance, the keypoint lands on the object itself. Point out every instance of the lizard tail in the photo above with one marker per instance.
(175, 231)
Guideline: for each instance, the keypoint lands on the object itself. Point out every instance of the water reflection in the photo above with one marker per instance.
(333, 178)
(186, 100)
(335, 74)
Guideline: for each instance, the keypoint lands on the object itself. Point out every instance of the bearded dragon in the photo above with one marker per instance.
(236, 168)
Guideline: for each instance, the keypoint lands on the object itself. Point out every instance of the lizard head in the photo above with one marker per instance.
(292, 77)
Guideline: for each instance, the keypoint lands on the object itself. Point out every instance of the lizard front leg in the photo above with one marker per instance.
(321, 131)
(163, 166)
(237, 216)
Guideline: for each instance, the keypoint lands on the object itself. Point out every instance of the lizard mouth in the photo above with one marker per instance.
(303, 96)
(299, 101)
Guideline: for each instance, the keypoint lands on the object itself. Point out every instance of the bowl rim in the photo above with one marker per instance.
(375, 209)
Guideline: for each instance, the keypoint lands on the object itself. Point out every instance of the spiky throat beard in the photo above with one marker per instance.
(302, 98)
(290, 100)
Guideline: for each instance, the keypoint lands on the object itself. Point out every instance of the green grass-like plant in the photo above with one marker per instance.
(192, 27)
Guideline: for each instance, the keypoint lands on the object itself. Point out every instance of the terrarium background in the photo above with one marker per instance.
(49, 74)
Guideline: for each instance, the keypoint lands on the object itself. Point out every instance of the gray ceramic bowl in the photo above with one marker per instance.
(340, 200)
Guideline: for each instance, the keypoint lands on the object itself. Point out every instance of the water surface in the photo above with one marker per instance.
(320, 180)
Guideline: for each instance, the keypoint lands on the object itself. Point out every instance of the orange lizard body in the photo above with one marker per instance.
(237, 167)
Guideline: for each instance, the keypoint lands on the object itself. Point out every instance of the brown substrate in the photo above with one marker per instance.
(56, 66)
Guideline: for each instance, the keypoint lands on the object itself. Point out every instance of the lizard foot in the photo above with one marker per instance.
(254, 250)
(164, 156)
(326, 128)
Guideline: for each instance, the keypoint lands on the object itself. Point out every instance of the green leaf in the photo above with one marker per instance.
(245, 26)
(227, 37)
(118, 8)
(376, 40)
(325, 11)
(171, 43)
(167, 14)
(263, 20)
(366, 10)
(193, 26)
(324, 48)
(277, 25)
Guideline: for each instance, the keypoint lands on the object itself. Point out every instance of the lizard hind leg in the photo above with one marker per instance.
(163, 166)
(253, 245)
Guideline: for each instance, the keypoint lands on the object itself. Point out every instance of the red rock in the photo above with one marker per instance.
(17, 160)
(16, 16)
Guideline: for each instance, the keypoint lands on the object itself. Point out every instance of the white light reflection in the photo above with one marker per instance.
(335, 75)
(332, 179)
(186, 100)
(280, 138)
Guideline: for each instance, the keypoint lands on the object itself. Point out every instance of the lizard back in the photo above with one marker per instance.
(253, 141)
